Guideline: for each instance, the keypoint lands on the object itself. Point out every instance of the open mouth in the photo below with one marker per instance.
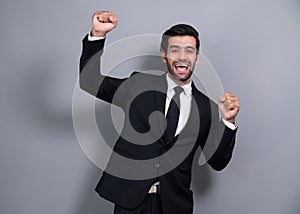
(181, 67)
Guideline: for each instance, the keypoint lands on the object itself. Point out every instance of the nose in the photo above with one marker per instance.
(182, 55)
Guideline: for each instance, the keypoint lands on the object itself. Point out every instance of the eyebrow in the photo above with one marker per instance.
(186, 47)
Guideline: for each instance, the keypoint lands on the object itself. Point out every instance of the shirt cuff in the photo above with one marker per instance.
(94, 38)
(230, 125)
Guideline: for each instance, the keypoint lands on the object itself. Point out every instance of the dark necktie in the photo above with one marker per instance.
(173, 115)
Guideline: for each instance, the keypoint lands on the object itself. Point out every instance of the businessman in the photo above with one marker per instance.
(173, 117)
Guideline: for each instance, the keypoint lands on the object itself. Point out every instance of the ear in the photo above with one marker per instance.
(198, 58)
(163, 57)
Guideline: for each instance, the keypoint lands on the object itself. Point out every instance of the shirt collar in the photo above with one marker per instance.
(187, 88)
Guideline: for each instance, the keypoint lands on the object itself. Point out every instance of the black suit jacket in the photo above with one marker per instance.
(139, 96)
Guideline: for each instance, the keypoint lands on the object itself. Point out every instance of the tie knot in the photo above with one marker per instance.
(178, 90)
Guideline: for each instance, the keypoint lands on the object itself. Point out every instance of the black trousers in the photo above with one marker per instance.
(150, 205)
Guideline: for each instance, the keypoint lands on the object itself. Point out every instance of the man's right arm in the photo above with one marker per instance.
(89, 49)
(90, 78)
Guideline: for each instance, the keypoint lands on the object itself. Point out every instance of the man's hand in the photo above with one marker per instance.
(229, 106)
(103, 22)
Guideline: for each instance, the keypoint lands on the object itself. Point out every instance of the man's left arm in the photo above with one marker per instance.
(224, 132)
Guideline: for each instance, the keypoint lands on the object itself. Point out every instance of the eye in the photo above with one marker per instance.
(190, 51)
(174, 50)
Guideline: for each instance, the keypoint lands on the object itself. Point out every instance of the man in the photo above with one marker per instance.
(190, 120)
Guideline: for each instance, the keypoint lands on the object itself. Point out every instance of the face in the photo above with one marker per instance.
(181, 58)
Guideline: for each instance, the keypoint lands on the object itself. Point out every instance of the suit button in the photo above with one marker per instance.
(156, 165)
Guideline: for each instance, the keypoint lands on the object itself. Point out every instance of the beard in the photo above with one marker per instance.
(176, 76)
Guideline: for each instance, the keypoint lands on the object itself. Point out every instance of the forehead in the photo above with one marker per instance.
(182, 41)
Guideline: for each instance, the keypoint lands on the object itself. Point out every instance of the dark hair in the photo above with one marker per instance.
(179, 30)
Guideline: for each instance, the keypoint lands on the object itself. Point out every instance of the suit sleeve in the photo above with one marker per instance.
(221, 140)
(90, 78)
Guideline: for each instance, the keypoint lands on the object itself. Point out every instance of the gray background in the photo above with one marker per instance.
(254, 47)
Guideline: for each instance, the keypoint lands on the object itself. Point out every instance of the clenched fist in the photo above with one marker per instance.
(229, 106)
(103, 22)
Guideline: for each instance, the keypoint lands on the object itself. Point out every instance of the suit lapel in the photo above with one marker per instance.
(160, 85)
(161, 93)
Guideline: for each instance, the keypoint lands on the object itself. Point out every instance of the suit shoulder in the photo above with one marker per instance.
(145, 77)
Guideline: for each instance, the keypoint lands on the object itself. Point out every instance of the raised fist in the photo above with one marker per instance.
(229, 106)
(103, 22)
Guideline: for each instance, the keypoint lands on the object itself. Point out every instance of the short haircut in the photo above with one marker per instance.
(179, 30)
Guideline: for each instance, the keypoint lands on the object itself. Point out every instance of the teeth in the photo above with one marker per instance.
(181, 66)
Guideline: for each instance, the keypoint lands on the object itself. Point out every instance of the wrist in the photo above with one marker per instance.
(97, 33)
(232, 120)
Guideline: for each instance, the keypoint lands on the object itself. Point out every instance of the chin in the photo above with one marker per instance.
(184, 78)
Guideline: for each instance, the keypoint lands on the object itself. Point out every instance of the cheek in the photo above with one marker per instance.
(171, 57)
